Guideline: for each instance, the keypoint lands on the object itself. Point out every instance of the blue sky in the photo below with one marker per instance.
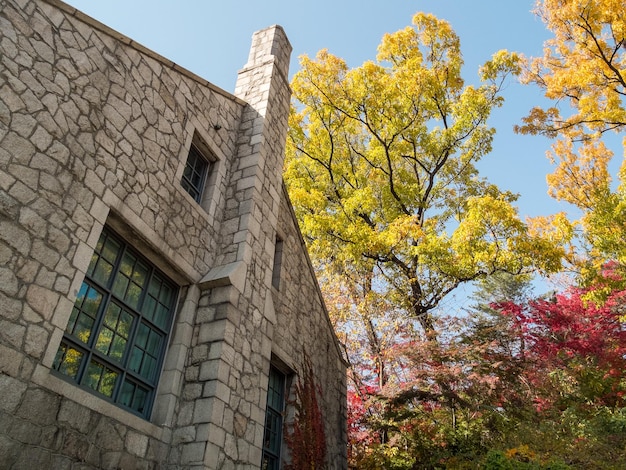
(212, 39)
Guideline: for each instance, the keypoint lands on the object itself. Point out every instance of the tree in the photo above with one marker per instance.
(381, 170)
(581, 344)
(582, 70)
(549, 388)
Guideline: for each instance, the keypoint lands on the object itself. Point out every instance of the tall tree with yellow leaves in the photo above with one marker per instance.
(381, 171)
(583, 70)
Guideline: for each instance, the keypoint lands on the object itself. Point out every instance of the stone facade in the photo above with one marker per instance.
(95, 136)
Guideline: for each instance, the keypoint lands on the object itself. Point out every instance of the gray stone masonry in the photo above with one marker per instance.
(95, 131)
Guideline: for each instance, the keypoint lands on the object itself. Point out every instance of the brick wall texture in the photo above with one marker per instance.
(95, 131)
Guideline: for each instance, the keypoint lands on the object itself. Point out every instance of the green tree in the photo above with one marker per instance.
(381, 171)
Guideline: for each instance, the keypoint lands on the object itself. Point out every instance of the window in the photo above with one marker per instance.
(117, 333)
(272, 437)
(195, 173)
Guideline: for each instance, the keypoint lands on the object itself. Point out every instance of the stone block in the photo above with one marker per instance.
(31, 457)
(12, 333)
(216, 435)
(25, 432)
(184, 435)
(36, 341)
(76, 445)
(213, 331)
(11, 391)
(10, 307)
(42, 300)
(193, 453)
(10, 360)
(39, 406)
(109, 435)
(75, 416)
(136, 444)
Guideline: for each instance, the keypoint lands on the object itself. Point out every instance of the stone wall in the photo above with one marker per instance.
(94, 131)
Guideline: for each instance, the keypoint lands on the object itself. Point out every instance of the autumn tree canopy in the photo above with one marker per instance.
(583, 72)
(381, 170)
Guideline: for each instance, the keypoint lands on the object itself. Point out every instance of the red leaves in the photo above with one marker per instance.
(569, 328)
(307, 439)
(575, 342)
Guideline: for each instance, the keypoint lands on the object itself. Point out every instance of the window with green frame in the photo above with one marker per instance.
(273, 435)
(116, 336)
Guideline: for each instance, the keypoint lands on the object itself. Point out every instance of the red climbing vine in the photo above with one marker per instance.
(306, 438)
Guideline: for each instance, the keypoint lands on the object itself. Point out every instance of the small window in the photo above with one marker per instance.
(278, 261)
(195, 173)
(273, 435)
(117, 333)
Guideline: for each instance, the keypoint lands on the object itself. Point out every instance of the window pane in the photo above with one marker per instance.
(148, 368)
(113, 337)
(110, 250)
(196, 179)
(195, 172)
(134, 363)
(112, 315)
(118, 346)
(104, 340)
(92, 377)
(142, 335)
(84, 313)
(100, 378)
(76, 310)
(133, 396)
(125, 322)
(92, 301)
(68, 360)
(103, 271)
(119, 286)
(126, 267)
(154, 343)
(107, 384)
(157, 305)
(140, 399)
(145, 354)
(132, 295)
(103, 259)
(166, 295)
(126, 395)
(162, 316)
(92, 263)
(139, 274)
(188, 172)
(130, 279)
(149, 306)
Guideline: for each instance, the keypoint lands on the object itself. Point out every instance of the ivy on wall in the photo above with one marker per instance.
(306, 437)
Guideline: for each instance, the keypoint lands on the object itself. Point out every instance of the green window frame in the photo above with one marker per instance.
(273, 433)
(117, 334)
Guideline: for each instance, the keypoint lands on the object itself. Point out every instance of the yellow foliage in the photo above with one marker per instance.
(380, 168)
(581, 176)
(583, 70)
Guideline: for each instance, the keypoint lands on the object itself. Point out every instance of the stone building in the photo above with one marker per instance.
(157, 304)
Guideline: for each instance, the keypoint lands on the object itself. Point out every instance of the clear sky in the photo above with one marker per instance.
(212, 38)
